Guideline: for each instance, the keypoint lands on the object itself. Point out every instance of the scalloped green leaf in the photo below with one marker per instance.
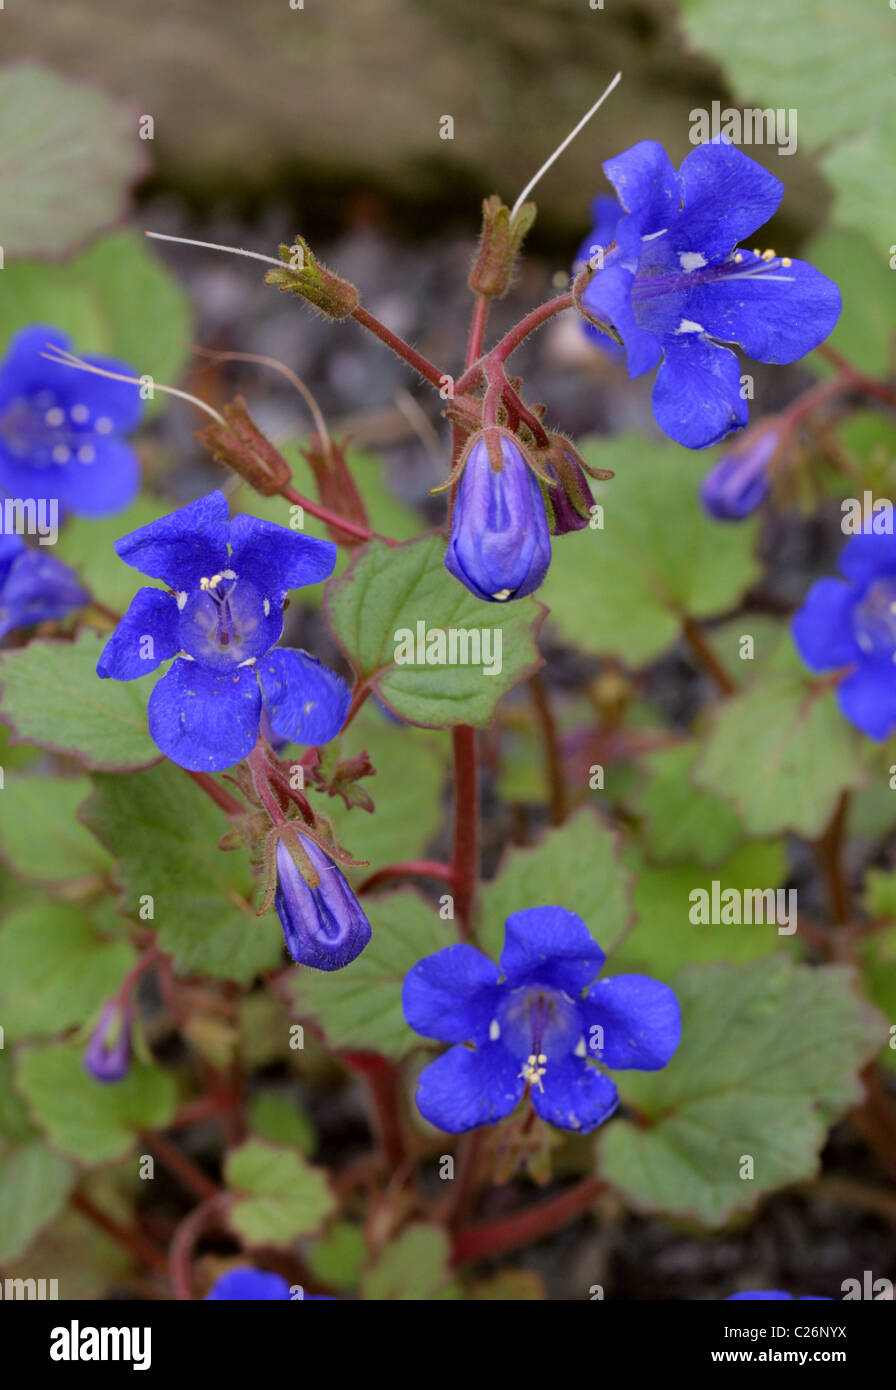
(164, 832)
(359, 1008)
(40, 835)
(780, 754)
(279, 1195)
(51, 695)
(624, 590)
(34, 1187)
(770, 1056)
(68, 156)
(388, 590)
(84, 1118)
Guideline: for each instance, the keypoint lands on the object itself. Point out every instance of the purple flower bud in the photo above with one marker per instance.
(107, 1056)
(500, 547)
(325, 927)
(569, 497)
(739, 481)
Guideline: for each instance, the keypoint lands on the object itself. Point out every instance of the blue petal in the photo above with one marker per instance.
(23, 370)
(726, 196)
(696, 395)
(647, 185)
(822, 629)
(452, 995)
(246, 1283)
(867, 698)
(640, 1019)
(550, 946)
(464, 1088)
(609, 297)
(605, 215)
(868, 556)
(736, 485)
(305, 701)
(276, 558)
(204, 722)
(756, 1294)
(776, 314)
(152, 613)
(106, 485)
(118, 401)
(575, 1096)
(184, 546)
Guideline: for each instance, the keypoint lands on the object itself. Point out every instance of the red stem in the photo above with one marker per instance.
(137, 1245)
(219, 795)
(353, 528)
(553, 760)
(414, 359)
(465, 852)
(419, 868)
(510, 1232)
(190, 1174)
(383, 1081)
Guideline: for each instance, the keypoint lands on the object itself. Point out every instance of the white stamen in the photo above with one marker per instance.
(691, 260)
(562, 146)
(651, 236)
(62, 358)
(215, 246)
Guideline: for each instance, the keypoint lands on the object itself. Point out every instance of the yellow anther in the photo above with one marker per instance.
(739, 257)
(768, 255)
(532, 1071)
(786, 261)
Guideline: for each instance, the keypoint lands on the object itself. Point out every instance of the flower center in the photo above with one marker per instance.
(39, 429)
(874, 619)
(537, 1023)
(226, 622)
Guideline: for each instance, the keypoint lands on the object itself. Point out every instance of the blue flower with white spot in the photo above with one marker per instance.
(851, 624)
(675, 287)
(34, 587)
(61, 429)
(536, 1022)
(220, 618)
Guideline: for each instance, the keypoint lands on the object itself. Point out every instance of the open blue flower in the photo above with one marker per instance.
(260, 1285)
(221, 619)
(852, 624)
(34, 587)
(61, 429)
(675, 286)
(500, 546)
(533, 1021)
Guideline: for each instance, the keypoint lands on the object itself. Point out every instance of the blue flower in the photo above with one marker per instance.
(500, 547)
(34, 587)
(325, 927)
(258, 1284)
(853, 624)
(675, 287)
(534, 1022)
(736, 485)
(60, 429)
(776, 1293)
(221, 618)
(107, 1056)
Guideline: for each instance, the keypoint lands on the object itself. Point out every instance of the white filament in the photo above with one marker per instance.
(561, 147)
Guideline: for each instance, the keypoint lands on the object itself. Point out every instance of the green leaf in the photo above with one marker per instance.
(410, 768)
(339, 1256)
(769, 1058)
(164, 833)
(623, 590)
(51, 695)
(55, 971)
(40, 836)
(14, 1122)
(678, 820)
(280, 1121)
(34, 1188)
(780, 755)
(116, 299)
(576, 867)
(360, 1007)
(509, 1286)
(91, 1121)
(86, 544)
(864, 330)
(664, 938)
(279, 1195)
(68, 155)
(387, 591)
(415, 1267)
(830, 59)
